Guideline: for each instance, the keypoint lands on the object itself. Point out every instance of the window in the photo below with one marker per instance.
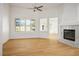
(23, 25)
(43, 24)
(20, 24)
(28, 25)
(33, 25)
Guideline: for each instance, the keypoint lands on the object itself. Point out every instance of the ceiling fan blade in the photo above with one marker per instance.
(40, 7)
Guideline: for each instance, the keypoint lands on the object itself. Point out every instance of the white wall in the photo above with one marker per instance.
(69, 16)
(5, 22)
(4, 25)
(0, 31)
(78, 12)
(26, 13)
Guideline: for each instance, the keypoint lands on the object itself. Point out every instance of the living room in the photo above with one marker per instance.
(46, 29)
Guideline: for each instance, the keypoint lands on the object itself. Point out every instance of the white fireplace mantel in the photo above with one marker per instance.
(69, 42)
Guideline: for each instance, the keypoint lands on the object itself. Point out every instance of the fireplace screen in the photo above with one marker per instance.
(69, 34)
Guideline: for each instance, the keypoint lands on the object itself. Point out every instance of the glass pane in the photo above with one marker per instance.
(17, 22)
(22, 28)
(33, 25)
(28, 22)
(27, 28)
(17, 28)
(32, 21)
(33, 29)
(20, 24)
(43, 24)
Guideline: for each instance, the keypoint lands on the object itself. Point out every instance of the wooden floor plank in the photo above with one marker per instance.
(38, 47)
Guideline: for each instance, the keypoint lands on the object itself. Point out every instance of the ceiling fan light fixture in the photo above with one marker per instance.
(37, 8)
(34, 10)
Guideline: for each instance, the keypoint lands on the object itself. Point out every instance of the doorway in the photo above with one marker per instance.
(53, 28)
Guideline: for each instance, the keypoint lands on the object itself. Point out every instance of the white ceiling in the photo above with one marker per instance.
(31, 5)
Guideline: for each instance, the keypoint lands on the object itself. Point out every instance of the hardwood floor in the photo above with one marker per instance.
(37, 47)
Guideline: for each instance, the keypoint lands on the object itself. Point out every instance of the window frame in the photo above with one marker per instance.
(25, 25)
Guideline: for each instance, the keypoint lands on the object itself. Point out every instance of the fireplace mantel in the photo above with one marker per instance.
(69, 42)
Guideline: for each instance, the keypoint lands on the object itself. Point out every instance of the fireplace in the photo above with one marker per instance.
(69, 34)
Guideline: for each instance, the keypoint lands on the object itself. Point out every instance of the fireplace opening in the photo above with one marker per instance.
(69, 34)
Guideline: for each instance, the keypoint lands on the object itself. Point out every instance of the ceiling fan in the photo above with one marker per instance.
(35, 8)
